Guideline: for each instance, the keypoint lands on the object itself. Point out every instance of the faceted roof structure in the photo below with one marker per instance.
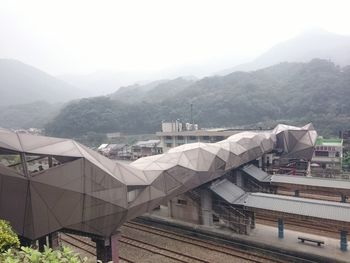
(48, 184)
(296, 142)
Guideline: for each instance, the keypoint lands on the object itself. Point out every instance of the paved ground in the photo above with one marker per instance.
(268, 235)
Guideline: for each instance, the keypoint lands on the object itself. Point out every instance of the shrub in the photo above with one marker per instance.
(30, 255)
(8, 238)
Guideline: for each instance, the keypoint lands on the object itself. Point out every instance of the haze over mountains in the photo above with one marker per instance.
(296, 92)
(315, 43)
(22, 85)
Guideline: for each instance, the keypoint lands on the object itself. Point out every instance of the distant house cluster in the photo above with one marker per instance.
(130, 152)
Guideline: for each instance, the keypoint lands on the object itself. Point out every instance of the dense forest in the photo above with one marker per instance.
(296, 93)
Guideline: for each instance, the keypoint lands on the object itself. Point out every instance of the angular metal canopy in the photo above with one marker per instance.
(48, 184)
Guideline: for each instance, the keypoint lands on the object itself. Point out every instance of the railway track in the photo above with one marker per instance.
(220, 248)
(79, 243)
(260, 256)
(168, 253)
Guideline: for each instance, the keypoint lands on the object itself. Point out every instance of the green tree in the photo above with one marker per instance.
(8, 238)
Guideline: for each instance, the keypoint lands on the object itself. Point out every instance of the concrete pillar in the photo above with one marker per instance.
(42, 243)
(239, 178)
(252, 222)
(54, 240)
(343, 240)
(115, 247)
(280, 228)
(25, 242)
(206, 207)
(170, 207)
(103, 249)
(297, 193)
(343, 198)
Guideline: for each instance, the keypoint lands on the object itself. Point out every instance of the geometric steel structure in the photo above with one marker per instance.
(49, 184)
(296, 142)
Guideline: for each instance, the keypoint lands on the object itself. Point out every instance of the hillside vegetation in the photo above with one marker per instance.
(317, 91)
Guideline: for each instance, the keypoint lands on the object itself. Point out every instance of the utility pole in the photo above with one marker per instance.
(192, 116)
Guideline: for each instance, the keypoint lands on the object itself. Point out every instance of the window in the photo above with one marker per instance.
(168, 137)
(321, 153)
(168, 145)
(181, 202)
(193, 138)
(180, 137)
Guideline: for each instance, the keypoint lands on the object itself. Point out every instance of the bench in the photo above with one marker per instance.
(319, 242)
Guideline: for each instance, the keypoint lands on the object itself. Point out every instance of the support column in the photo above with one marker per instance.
(252, 223)
(103, 249)
(344, 240)
(42, 243)
(54, 240)
(25, 242)
(280, 228)
(170, 207)
(239, 178)
(115, 247)
(206, 207)
(343, 198)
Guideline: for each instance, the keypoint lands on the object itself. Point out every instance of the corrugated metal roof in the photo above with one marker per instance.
(227, 190)
(311, 181)
(296, 205)
(257, 173)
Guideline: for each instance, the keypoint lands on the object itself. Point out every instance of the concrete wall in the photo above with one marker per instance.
(185, 209)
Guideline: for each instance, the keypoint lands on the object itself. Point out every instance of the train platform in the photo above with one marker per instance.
(266, 237)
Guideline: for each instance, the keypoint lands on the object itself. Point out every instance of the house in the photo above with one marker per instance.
(145, 148)
(328, 155)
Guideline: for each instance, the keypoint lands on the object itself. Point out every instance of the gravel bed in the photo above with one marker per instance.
(139, 255)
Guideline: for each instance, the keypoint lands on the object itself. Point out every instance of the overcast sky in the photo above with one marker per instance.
(80, 36)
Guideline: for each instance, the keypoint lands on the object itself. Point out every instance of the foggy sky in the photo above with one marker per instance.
(80, 36)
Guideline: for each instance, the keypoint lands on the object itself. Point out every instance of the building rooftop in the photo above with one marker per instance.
(227, 190)
(256, 173)
(149, 143)
(328, 142)
(311, 181)
(297, 205)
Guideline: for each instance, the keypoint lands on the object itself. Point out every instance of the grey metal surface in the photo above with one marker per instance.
(311, 181)
(85, 191)
(227, 190)
(296, 205)
(257, 173)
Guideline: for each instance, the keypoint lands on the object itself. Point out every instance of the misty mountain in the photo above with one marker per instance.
(23, 84)
(155, 91)
(101, 82)
(35, 114)
(316, 43)
(298, 93)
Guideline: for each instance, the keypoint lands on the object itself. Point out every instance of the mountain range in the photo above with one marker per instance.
(296, 92)
(24, 88)
(315, 43)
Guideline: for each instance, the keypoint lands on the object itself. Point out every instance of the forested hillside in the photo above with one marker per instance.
(317, 91)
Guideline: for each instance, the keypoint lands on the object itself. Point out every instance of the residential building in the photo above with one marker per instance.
(115, 151)
(145, 148)
(174, 134)
(328, 154)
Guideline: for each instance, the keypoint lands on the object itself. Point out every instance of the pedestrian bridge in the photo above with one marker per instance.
(49, 184)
